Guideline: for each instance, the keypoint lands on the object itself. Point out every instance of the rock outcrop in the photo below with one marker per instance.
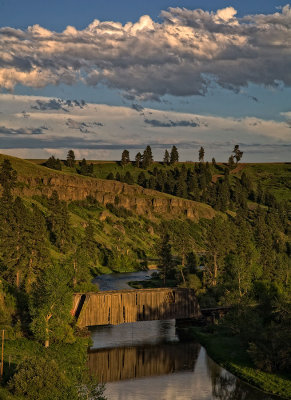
(132, 197)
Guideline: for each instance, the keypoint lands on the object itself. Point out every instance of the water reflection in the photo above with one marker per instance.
(136, 333)
(193, 381)
(146, 361)
(122, 363)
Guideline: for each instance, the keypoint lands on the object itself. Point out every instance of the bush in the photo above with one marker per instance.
(41, 379)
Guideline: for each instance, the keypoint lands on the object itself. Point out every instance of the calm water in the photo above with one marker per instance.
(146, 360)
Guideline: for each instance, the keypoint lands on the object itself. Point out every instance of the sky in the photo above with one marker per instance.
(210, 73)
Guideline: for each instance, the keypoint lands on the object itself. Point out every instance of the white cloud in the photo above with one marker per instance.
(102, 131)
(147, 59)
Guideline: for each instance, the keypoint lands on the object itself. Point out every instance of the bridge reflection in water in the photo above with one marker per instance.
(121, 363)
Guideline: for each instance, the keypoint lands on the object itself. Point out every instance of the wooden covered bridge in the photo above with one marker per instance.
(123, 306)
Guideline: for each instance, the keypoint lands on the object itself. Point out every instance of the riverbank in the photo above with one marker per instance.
(229, 352)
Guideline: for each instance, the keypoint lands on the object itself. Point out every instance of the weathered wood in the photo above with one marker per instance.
(121, 363)
(124, 306)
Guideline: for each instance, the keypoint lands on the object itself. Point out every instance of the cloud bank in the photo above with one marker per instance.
(184, 54)
(102, 131)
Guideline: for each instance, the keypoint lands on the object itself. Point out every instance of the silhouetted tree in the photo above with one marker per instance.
(201, 154)
(71, 159)
(174, 157)
(166, 158)
(125, 157)
(138, 160)
(147, 158)
(53, 163)
(237, 153)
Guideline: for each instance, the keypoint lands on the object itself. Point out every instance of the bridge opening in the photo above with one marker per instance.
(80, 305)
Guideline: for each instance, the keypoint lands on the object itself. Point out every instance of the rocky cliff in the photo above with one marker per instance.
(37, 180)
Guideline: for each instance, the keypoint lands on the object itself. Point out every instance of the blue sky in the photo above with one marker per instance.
(238, 71)
(56, 14)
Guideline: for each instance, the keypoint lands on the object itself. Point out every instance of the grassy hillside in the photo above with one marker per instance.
(131, 237)
(125, 220)
(276, 177)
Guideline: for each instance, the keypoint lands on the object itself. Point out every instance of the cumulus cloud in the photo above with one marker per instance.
(184, 54)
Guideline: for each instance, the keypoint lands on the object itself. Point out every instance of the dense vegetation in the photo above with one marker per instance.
(50, 249)
(36, 295)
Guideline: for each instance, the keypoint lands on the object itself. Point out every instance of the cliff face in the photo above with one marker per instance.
(135, 198)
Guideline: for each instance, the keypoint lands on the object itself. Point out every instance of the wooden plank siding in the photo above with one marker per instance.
(124, 306)
(121, 363)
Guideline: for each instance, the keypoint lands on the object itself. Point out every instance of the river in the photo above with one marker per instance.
(147, 361)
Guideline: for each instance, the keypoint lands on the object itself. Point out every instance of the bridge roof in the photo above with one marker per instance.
(134, 290)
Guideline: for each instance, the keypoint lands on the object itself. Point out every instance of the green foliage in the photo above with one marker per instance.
(230, 352)
(8, 177)
(58, 222)
(174, 156)
(41, 379)
(71, 159)
(147, 158)
(84, 168)
(201, 154)
(125, 157)
(51, 303)
(53, 163)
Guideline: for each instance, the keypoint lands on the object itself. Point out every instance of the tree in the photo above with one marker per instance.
(85, 169)
(218, 244)
(174, 157)
(141, 179)
(8, 177)
(201, 154)
(36, 246)
(181, 187)
(13, 246)
(84, 258)
(147, 158)
(71, 159)
(110, 176)
(125, 157)
(191, 263)
(213, 162)
(138, 160)
(40, 378)
(51, 302)
(59, 222)
(128, 178)
(53, 163)
(231, 162)
(165, 257)
(166, 159)
(237, 153)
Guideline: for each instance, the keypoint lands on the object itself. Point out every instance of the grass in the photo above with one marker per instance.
(230, 352)
(274, 177)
